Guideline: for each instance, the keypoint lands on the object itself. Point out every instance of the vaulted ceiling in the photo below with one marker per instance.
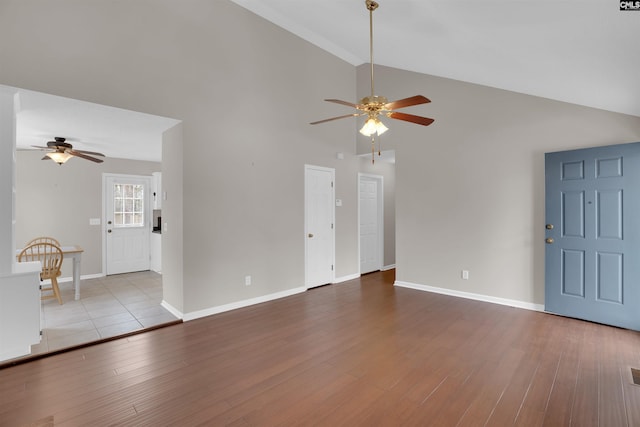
(579, 51)
(583, 52)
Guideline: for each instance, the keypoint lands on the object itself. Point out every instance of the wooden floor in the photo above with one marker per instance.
(358, 353)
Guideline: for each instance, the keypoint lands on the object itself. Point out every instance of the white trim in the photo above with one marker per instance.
(469, 295)
(70, 279)
(171, 309)
(380, 200)
(240, 304)
(345, 278)
(388, 267)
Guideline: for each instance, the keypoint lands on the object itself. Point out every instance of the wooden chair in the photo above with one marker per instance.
(43, 239)
(50, 256)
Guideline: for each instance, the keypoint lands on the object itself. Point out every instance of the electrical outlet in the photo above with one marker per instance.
(247, 280)
(465, 274)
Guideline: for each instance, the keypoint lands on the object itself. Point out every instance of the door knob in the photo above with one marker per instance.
(549, 240)
(549, 226)
(108, 231)
(108, 222)
(310, 235)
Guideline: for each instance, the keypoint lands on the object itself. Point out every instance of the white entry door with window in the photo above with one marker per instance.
(319, 226)
(127, 223)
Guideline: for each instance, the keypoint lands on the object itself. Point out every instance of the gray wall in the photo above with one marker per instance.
(57, 201)
(173, 218)
(470, 187)
(245, 91)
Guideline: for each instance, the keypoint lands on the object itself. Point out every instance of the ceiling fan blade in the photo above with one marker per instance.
(425, 121)
(46, 158)
(347, 103)
(41, 147)
(335, 118)
(84, 156)
(406, 102)
(93, 153)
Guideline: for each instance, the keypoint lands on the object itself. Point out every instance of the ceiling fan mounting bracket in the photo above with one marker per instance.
(371, 5)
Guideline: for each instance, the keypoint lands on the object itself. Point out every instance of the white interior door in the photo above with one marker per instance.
(319, 226)
(371, 222)
(127, 222)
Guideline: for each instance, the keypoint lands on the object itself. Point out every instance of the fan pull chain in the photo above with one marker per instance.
(373, 150)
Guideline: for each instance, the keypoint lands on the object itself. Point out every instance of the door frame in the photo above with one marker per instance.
(380, 204)
(148, 206)
(333, 217)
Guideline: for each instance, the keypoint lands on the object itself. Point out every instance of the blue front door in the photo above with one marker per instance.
(592, 259)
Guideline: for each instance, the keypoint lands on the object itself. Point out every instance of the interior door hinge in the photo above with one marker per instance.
(332, 226)
(331, 267)
(331, 184)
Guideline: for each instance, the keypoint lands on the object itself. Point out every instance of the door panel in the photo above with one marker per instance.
(370, 218)
(127, 220)
(592, 260)
(319, 220)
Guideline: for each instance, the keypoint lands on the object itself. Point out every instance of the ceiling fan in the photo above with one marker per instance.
(374, 106)
(60, 151)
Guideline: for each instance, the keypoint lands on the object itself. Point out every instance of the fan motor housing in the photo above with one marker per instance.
(58, 144)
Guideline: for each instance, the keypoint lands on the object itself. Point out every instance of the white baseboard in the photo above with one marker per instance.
(171, 309)
(345, 278)
(70, 279)
(82, 277)
(388, 267)
(240, 304)
(469, 295)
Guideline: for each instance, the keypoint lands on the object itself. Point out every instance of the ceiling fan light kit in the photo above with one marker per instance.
(59, 157)
(374, 106)
(372, 126)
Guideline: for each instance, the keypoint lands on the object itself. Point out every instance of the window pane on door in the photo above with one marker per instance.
(128, 202)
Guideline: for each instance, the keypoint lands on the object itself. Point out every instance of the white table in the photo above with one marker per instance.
(75, 253)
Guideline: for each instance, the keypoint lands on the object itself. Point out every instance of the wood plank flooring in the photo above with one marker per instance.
(358, 353)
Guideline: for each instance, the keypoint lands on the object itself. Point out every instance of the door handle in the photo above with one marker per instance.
(549, 240)
(109, 222)
(310, 235)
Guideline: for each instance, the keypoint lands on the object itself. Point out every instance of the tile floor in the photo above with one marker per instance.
(108, 306)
